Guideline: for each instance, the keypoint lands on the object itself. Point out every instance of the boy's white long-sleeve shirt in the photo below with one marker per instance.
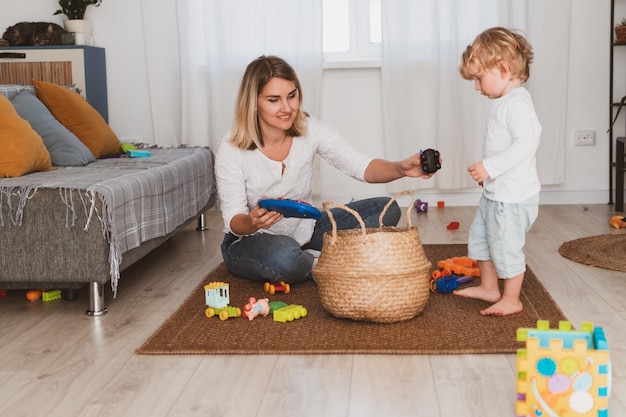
(510, 146)
(244, 177)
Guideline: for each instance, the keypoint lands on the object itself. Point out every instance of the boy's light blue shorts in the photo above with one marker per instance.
(498, 233)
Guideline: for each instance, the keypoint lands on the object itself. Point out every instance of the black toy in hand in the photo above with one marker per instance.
(430, 161)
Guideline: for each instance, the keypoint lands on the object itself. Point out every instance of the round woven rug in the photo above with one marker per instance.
(604, 251)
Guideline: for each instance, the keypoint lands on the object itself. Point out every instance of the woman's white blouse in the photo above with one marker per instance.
(244, 177)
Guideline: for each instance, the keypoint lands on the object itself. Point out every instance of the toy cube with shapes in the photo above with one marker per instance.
(217, 297)
(563, 372)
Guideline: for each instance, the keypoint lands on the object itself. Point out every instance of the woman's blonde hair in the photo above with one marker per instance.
(246, 131)
(495, 45)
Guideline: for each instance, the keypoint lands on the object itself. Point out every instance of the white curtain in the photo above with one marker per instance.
(197, 51)
(427, 104)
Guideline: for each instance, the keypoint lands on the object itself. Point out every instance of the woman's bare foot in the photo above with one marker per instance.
(479, 293)
(503, 307)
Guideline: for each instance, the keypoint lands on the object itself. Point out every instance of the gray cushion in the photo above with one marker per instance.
(64, 147)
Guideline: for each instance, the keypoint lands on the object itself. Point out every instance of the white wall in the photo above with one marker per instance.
(351, 97)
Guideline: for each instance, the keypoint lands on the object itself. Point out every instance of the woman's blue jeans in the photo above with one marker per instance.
(275, 258)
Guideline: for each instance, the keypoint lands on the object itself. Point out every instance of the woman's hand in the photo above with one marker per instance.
(264, 219)
(258, 218)
(381, 170)
(412, 167)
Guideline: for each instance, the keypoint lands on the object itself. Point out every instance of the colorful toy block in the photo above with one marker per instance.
(290, 312)
(50, 295)
(563, 372)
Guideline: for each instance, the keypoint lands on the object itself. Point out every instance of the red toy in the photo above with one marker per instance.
(272, 288)
(453, 225)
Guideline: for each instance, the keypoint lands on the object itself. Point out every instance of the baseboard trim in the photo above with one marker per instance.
(467, 198)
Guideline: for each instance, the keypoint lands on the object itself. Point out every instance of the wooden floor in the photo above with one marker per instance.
(57, 362)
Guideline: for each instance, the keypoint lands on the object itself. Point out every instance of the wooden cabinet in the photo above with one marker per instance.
(617, 90)
(81, 66)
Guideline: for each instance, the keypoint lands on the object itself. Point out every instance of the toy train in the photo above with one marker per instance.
(217, 296)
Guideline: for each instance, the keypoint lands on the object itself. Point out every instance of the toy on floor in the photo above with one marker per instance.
(217, 296)
(275, 305)
(289, 312)
(420, 206)
(617, 222)
(256, 308)
(448, 283)
(459, 265)
(562, 372)
(51, 295)
(453, 225)
(33, 295)
(273, 288)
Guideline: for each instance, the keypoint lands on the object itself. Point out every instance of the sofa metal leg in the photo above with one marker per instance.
(96, 300)
(201, 226)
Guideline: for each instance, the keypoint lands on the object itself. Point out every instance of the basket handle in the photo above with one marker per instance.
(356, 214)
(408, 211)
(328, 204)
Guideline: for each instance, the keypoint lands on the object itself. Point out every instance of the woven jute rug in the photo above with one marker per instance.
(603, 251)
(448, 324)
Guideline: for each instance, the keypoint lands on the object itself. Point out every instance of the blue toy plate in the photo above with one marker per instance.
(290, 208)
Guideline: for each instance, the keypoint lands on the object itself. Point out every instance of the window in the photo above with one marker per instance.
(352, 32)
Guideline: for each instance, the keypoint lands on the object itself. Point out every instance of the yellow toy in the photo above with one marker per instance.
(563, 372)
(617, 222)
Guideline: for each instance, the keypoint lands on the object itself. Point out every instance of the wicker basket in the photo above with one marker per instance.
(378, 274)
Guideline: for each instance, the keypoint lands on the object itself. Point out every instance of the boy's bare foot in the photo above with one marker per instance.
(503, 307)
(479, 293)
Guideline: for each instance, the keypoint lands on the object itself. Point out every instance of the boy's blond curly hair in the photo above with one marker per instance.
(493, 46)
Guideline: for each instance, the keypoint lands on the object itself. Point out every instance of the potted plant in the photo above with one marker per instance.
(75, 9)
(76, 23)
(620, 32)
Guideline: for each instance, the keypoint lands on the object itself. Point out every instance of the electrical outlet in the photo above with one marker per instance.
(584, 137)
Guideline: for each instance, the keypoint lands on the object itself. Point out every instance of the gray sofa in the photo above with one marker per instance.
(88, 219)
(79, 226)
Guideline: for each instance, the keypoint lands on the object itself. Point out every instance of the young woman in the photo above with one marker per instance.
(269, 153)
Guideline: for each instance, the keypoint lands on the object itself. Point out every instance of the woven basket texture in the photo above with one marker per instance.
(373, 274)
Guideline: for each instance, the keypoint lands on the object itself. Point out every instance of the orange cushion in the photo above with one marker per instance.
(79, 117)
(21, 149)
